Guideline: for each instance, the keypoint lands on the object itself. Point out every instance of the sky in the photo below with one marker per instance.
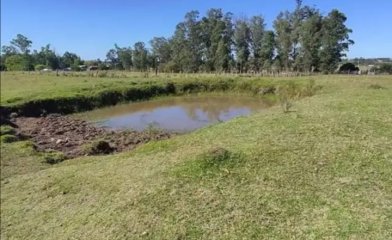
(91, 27)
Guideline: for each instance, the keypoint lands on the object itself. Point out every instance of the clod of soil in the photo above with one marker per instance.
(99, 147)
(70, 135)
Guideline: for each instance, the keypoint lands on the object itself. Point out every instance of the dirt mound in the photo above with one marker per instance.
(73, 136)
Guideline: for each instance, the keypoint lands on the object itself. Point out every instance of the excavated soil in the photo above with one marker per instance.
(72, 136)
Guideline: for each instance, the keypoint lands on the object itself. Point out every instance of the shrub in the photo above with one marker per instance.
(6, 130)
(348, 67)
(214, 162)
(8, 138)
(285, 103)
(385, 68)
(39, 67)
(53, 157)
(98, 147)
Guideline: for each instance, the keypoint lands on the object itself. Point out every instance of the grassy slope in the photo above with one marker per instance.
(18, 88)
(323, 170)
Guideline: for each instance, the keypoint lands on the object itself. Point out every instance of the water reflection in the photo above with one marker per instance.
(179, 114)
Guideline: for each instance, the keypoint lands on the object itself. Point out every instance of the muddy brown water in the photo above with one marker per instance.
(175, 114)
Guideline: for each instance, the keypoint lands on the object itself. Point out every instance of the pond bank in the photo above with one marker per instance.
(74, 137)
(81, 99)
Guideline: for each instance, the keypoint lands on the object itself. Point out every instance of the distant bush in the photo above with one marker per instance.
(19, 62)
(385, 68)
(348, 67)
(39, 67)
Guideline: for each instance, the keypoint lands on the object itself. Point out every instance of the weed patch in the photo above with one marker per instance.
(6, 129)
(214, 162)
(98, 147)
(54, 157)
(375, 86)
(8, 138)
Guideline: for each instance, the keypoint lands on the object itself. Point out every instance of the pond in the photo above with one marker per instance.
(175, 114)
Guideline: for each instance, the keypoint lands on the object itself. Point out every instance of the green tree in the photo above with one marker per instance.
(283, 32)
(69, 59)
(241, 44)
(19, 62)
(22, 43)
(161, 51)
(267, 50)
(186, 45)
(140, 56)
(46, 57)
(309, 39)
(257, 28)
(8, 51)
(113, 60)
(125, 56)
(217, 33)
(335, 41)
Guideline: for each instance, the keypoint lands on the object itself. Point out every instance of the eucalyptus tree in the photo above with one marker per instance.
(217, 31)
(267, 50)
(120, 58)
(46, 57)
(257, 28)
(335, 40)
(309, 40)
(140, 56)
(22, 43)
(186, 45)
(283, 32)
(161, 51)
(241, 44)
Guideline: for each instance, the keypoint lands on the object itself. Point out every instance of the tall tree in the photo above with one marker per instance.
(22, 43)
(70, 59)
(217, 40)
(256, 26)
(309, 41)
(47, 57)
(113, 60)
(267, 50)
(161, 50)
(334, 40)
(125, 55)
(241, 44)
(283, 31)
(140, 56)
(8, 50)
(186, 45)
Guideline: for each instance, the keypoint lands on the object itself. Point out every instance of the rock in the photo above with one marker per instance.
(59, 141)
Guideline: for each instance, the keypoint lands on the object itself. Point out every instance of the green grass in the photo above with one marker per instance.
(322, 170)
(81, 92)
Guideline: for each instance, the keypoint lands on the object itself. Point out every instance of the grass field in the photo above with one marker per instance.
(322, 170)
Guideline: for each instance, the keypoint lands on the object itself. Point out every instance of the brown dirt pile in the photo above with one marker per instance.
(74, 136)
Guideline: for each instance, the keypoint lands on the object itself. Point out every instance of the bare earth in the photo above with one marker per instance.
(70, 135)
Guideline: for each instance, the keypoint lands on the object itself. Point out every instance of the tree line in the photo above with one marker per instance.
(302, 40)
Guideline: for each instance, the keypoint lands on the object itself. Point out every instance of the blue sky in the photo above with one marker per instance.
(91, 27)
